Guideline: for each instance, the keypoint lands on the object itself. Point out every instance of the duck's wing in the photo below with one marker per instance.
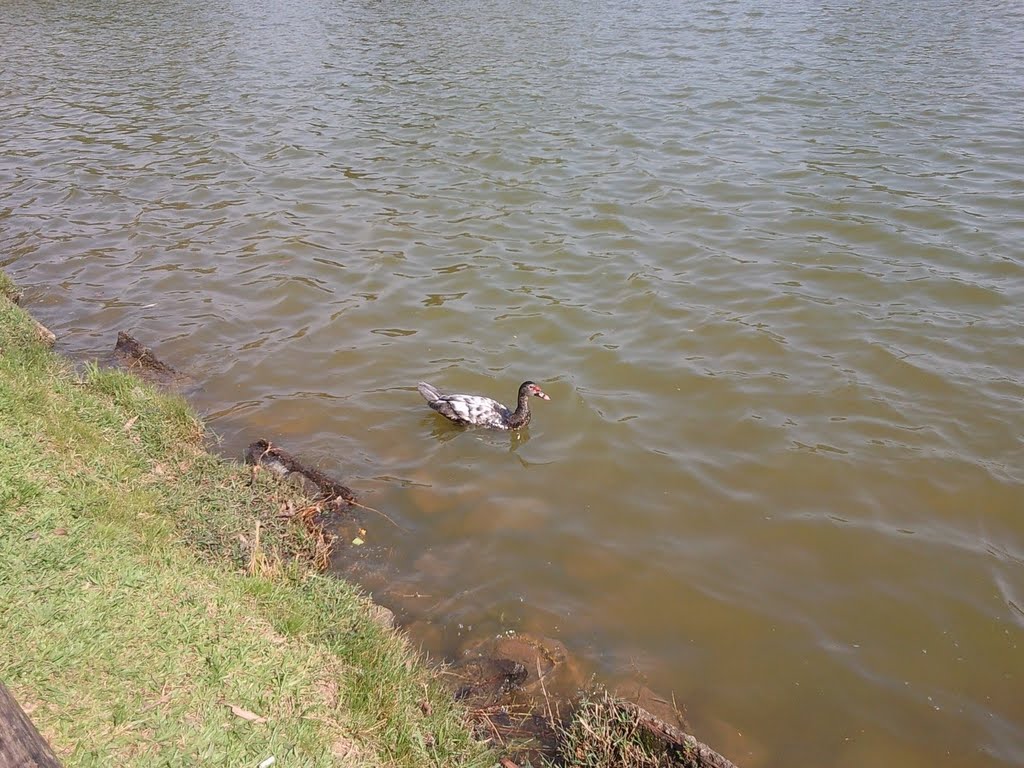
(472, 409)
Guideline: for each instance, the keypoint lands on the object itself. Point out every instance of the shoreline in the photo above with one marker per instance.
(279, 553)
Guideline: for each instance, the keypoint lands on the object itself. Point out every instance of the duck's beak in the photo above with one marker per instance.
(541, 395)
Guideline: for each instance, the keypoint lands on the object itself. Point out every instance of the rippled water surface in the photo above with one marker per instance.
(765, 257)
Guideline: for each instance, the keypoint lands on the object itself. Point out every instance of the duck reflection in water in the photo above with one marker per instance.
(443, 431)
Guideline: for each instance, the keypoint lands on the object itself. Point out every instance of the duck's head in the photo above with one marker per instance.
(529, 388)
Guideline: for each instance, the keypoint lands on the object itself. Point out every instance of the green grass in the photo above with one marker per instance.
(7, 287)
(146, 587)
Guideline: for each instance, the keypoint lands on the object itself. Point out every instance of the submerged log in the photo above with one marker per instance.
(139, 355)
(676, 740)
(282, 464)
(21, 745)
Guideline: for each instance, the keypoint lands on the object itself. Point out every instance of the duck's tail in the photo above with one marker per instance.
(429, 391)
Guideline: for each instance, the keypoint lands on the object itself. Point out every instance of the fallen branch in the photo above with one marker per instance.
(282, 464)
(20, 743)
(672, 736)
(139, 354)
(279, 462)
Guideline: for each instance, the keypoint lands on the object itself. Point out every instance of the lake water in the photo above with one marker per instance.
(767, 259)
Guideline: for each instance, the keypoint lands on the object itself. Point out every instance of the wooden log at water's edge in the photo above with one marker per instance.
(21, 745)
(139, 354)
(675, 737)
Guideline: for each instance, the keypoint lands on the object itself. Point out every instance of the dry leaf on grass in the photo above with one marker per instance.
(245, 714)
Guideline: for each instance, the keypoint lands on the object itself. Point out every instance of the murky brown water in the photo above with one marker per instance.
(765, 257)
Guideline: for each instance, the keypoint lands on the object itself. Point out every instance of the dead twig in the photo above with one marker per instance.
(547, 699)
(371, 509)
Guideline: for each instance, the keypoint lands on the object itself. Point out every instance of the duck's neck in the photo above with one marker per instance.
(521, 416)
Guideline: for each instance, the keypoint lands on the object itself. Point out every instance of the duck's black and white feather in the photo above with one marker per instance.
(482, 411)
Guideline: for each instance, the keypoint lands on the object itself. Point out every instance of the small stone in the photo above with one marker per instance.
(382, 616)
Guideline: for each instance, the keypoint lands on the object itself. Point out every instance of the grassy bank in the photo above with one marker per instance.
(147, 614)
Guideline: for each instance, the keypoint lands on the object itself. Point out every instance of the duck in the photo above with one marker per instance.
(479, 411)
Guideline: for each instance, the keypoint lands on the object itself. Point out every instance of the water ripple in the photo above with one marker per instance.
(765, 260)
